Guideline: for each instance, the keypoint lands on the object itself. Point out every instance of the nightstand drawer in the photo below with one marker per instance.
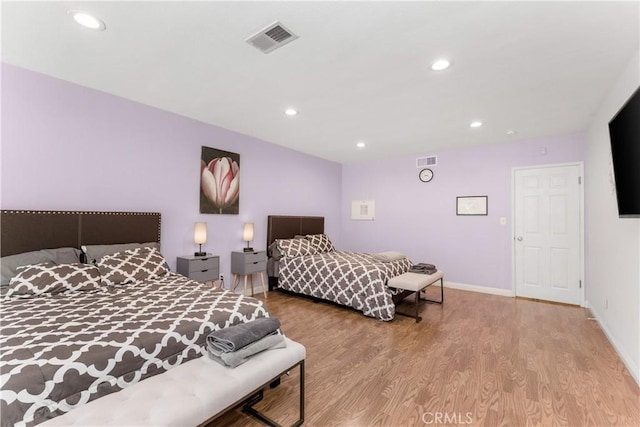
(202, 264)
(248, 262)
(244, 265)
(205, 276)
(253, 257)
(255, 267)
(202, 269)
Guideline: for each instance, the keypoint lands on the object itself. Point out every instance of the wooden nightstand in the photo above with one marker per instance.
(246, 264)
(201, 268)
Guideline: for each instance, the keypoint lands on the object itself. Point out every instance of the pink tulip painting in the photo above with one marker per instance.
(219, 181)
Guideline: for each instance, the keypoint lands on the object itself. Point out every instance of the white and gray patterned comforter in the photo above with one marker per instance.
(64, 350)
(353, 279)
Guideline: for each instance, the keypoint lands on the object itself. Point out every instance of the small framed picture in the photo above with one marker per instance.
(472, 205)
(363, 210)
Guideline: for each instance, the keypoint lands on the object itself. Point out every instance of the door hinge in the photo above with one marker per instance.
(580, 284)
(579, 180)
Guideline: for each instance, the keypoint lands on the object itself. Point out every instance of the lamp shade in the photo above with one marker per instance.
(200, 233)
(247, 232)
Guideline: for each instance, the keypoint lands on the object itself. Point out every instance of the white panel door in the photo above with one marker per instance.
(547, 233)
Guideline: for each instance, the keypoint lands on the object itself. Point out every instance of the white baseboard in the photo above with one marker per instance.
(481, 289)
(631, 367)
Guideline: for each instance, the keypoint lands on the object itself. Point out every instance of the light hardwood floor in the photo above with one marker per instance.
(478, 360)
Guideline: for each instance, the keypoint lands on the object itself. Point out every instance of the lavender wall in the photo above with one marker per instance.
(420, 220)
(66, 147)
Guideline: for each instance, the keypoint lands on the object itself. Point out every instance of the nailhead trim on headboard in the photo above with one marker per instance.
(15, 241)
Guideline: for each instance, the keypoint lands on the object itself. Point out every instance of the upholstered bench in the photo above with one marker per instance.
(416, 283)
(192, 394)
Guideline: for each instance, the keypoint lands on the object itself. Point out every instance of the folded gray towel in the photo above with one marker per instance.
(235, 358)
(423, 268)
(237, 336)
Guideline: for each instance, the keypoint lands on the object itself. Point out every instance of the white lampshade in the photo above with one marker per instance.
(247, 232)
(200, 233)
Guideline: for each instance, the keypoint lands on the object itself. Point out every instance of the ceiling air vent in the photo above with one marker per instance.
(423, 162)
(269, 39)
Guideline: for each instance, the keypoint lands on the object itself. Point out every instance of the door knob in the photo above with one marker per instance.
(519, 238)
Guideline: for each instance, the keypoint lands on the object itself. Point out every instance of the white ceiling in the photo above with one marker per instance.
(358, 72)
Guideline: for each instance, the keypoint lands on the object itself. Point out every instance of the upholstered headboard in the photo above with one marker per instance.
(285, 227)
(25, 231)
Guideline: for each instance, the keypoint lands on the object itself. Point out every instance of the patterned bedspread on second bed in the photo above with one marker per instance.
(64, 350)
(353, 279)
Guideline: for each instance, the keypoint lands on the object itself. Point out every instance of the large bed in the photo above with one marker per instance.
(303, 260)
(62, 349)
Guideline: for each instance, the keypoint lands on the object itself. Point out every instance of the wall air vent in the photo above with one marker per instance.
(271, 38)
(423, 162)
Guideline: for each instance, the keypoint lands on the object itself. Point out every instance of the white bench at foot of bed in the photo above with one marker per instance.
(416, 283)
(191, 394)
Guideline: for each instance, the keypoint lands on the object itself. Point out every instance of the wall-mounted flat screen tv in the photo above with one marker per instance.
(624, 132)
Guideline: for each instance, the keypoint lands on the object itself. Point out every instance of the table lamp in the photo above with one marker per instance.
(200, 236)
(247, 235)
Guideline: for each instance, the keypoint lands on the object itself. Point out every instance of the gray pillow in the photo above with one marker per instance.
(321, 242)
(291, 248)
(95, 252)
(132, 266)
(9, 264)
(273, 251)
(50, 279)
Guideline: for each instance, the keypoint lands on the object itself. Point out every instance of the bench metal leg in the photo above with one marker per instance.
(257, 397)
(417, 304)
(419, 298)
(275, 384)
(441, 293)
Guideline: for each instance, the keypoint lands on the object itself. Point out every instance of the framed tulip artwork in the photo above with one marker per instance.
(219, 181)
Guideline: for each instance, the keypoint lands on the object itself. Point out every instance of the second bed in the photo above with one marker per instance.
(306, 262)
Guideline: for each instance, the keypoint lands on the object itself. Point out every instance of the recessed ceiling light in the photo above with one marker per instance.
(87, 20)
(475, 124)
(361, 144)
(291, 112)
(440, 64)
(511, 132)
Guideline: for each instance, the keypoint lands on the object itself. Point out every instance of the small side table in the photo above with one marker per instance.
(246, 264)
(200, 268)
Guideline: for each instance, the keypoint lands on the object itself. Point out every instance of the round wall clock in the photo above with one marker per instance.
(425, 175)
